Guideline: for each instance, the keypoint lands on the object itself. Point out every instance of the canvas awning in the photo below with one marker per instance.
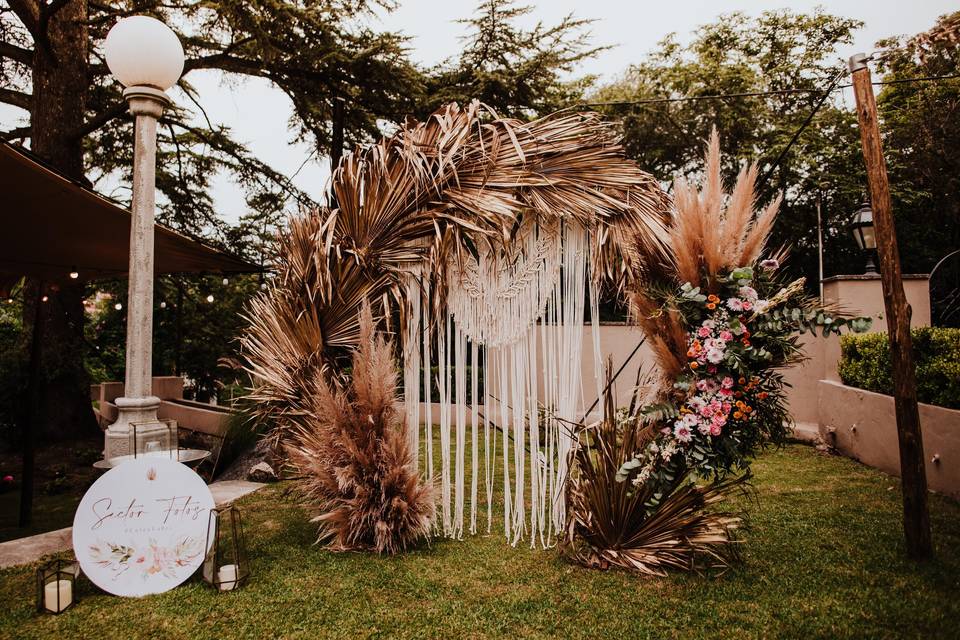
(50, 226)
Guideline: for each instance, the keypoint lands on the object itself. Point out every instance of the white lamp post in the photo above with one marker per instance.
(146, 57)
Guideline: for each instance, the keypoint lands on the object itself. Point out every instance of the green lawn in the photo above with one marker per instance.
(823, 559)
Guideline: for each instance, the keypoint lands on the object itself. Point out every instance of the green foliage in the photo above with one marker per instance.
(518, 72)
(787, 50)
(192, 337)
(865, 363)
(921, 127)
(12, 370)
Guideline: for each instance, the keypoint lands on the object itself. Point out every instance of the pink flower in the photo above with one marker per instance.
(715, 430)
(735, 304)
(703, 332)
(8, 479)
(682, 433)
(747, 306)
(726, 335)
(770, 264)
(726, 392)
(715, 356)
(727, 383)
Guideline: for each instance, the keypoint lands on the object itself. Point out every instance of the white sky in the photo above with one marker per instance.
(259, 115)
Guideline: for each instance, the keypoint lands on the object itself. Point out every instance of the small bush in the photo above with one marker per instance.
(865, 363)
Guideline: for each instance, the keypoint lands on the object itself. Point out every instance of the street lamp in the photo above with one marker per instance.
(862, 227)
(146, 57)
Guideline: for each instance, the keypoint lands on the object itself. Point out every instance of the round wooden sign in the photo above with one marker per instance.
(141, 528)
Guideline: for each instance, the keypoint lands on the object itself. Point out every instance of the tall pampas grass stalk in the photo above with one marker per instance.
(355, 467)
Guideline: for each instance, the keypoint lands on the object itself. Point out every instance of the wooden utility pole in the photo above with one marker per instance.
(916, 517)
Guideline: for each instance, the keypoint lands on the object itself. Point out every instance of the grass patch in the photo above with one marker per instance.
(823, 559)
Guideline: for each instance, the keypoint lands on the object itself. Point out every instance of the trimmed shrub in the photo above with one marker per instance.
(865, 363)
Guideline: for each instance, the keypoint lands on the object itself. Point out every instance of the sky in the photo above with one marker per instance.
(259, 114)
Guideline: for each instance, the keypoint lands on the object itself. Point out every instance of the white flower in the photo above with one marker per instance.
(715, 356)
(770, 264)
(748, 293)
(735, 304)
(682, 433)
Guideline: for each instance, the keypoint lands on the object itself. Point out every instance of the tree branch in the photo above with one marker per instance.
(15, 53)
(233, 64)
(99, 120)
(29, 14)
(16, 98)
(13, 134)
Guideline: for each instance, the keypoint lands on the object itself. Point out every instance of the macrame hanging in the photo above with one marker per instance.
(519, 316)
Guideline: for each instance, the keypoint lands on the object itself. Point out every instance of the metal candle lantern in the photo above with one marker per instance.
(56, 586)
(863, 233)
(226, 566)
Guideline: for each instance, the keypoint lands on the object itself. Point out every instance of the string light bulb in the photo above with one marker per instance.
(74, 274)
(226, 281)
(44, 298)
(163, 305)
(118, 306)
(210, 298)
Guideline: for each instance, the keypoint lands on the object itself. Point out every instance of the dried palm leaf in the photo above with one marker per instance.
(416, 199)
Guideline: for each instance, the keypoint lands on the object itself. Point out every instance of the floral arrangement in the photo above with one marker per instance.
(165, 560)
(729, 399)
(722, 323)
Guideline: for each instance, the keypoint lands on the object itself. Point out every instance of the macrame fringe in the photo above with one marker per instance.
(519, 319)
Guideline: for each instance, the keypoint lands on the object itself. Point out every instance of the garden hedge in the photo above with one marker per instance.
(865, 363)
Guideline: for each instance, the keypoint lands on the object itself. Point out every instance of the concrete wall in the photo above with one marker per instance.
(860, 295)
(863, 425)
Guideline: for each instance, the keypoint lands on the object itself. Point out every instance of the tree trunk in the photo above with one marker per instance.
(60, 87)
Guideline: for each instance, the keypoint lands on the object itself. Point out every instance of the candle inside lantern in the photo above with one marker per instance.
(51, 591)
(227, 577)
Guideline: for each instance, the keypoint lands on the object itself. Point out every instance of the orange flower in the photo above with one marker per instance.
(713, 298)
(737, 415)
(748, 409)
(762, 395)
(738, 394)
(746, 342)
(742, 380)
(711, 305)
(694, 365)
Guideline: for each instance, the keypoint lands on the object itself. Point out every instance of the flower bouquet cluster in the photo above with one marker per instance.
(722, 323)
(728, 400)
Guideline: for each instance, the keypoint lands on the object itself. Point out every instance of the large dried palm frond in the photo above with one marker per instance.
(351, 454)
(416, 200)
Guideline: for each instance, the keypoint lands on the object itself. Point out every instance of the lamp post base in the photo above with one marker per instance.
(142, 412)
